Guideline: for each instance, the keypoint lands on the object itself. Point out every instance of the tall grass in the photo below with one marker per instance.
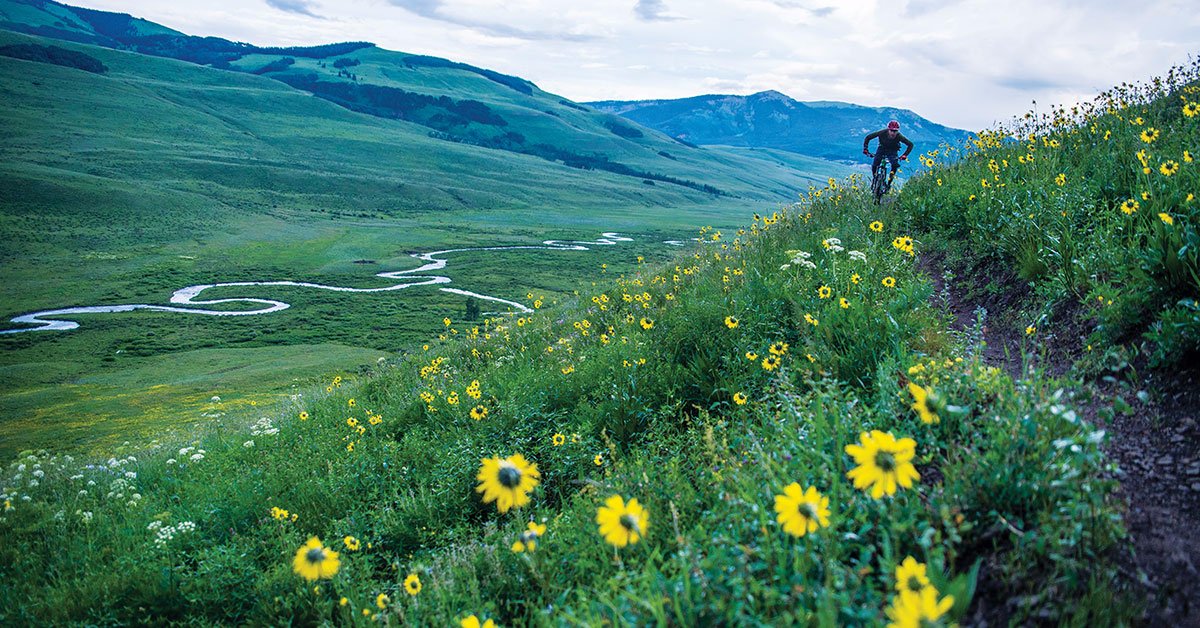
(702, 387)
(1093, 205)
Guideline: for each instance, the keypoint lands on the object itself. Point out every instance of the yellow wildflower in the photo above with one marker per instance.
(622, 523)
(529, 538)
(507, 481)
(884, 462)
(910, 609)
(922, 403)
(412, 584)
(314, 561)
(801, 511)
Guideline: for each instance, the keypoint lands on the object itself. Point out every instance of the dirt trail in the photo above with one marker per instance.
(1156, 444)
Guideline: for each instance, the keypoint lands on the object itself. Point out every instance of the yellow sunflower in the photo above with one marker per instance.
(473, 622)
(911, 576)
(922, 403)
(910, 609)
(622, 523)
(507, 481)
(314, 561)
(529, 538)
(731, 322)
(883, 463)
(801, 511)
(412, 584)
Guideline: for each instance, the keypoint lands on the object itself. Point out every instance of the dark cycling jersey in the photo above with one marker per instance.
(889, 145)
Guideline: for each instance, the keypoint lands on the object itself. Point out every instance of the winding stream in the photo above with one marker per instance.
(412, 278)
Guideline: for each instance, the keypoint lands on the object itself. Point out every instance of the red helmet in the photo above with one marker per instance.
(893, 126)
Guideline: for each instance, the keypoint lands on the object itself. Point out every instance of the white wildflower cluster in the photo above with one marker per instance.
(858, 256)
(263, 427)
(121, 489)
(164, 534)
(799, 258)
(191, 453)
(34, 475)
(116, 463)
(248, 444)
(85, 516)
(833, 245)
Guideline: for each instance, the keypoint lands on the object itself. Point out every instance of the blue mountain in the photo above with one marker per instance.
(826, 129)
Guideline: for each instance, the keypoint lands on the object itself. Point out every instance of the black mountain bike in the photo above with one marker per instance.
(881, 180)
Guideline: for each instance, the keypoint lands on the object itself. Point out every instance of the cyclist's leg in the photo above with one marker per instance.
(894, 160)
(875, 162)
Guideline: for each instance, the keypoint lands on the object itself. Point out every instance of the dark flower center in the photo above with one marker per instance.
(629, 522)
(914, 584)
(885, 461)
(807, 511)
(509, 477)
(315, 555)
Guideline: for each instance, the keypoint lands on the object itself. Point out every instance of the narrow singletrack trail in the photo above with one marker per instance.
(1155, 443)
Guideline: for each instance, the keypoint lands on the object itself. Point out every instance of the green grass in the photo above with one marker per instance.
(160, 397)
(1096, 208)
(391, 460)
(127, 186)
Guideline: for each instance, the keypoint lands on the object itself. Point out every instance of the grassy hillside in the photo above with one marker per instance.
(778, 425)
(1094, 208)
(157, 174)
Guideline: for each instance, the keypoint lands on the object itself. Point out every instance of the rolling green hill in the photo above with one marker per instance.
(128, 176)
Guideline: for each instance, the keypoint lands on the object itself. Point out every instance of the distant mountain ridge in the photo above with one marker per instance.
(826, 129)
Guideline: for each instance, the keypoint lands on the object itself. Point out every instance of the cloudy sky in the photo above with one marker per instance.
(963, 63)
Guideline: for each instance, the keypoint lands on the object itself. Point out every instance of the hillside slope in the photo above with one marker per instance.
(453, 101)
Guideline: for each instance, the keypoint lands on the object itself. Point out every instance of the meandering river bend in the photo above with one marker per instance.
(189, 296)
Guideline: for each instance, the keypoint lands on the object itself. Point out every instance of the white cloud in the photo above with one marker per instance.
(965, 63)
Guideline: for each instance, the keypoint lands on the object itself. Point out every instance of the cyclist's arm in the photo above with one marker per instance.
(907, 142)
(867, 139)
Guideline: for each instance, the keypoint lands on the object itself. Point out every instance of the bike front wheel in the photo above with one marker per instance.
(879, 183)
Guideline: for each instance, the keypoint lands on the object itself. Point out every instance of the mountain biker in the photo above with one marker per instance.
(890, 140)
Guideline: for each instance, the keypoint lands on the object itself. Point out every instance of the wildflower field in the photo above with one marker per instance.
(781, 426)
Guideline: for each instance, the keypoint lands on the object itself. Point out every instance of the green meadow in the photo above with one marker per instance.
(125, 186)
